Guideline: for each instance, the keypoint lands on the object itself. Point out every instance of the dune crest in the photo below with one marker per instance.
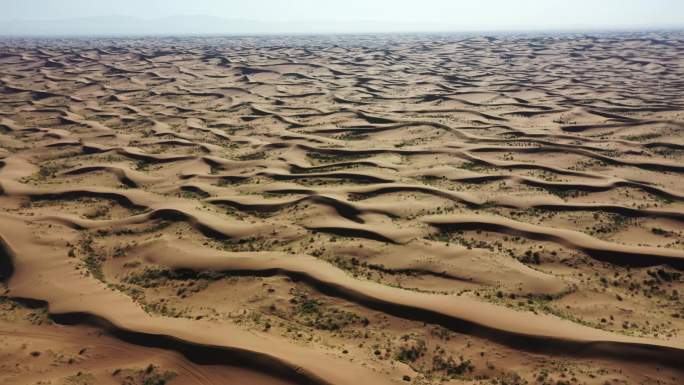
(342, 210)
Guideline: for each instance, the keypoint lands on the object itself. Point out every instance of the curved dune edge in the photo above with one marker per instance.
(40, 271)
(333, 166)
(344, 225)
(33, 261)
(349, 222)
(377, 186)
(540, 333)
(132, 178)
(118, 352)
(472, 199)
(126, 176)
(609, 251)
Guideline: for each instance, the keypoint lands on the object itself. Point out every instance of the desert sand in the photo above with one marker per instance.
(388, 209)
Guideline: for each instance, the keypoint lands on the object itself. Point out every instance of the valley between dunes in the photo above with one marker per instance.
(387, 209)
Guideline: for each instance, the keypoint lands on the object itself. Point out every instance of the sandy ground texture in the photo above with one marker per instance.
(342, 210)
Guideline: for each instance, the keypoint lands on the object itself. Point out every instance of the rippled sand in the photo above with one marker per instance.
(342, 210)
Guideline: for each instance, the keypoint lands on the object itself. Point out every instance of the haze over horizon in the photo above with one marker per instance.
(383, 192)
(71, 17)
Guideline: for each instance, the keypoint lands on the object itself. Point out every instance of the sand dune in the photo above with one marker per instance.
(342, 210)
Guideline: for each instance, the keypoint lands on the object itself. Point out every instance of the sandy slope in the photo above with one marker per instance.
(383, 209)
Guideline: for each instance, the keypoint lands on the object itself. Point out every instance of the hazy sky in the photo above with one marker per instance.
(461, 14)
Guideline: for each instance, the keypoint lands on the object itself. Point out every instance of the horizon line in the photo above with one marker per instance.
(384, 27)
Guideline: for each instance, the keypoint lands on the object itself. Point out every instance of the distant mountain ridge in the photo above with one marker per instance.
(190, 25)
(118, 25)
(127, 25)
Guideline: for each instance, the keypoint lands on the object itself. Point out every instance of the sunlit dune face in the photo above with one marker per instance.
(419, 209)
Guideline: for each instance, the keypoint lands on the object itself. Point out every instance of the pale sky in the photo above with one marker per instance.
(456, 15)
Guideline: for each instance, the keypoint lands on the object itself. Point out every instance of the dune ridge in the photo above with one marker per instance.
(328, 210)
